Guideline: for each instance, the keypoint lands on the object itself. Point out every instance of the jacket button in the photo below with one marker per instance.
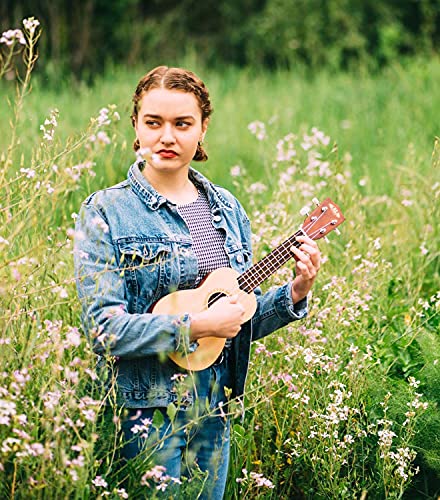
(217, 218)
(239, 259)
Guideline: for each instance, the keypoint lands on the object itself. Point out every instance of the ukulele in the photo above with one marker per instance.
(226, 282)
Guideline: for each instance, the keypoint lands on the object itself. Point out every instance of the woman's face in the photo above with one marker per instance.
(169, 124)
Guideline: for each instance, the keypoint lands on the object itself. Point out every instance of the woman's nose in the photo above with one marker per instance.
(167, 135)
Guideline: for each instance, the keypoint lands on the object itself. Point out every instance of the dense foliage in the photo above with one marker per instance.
(85, 36)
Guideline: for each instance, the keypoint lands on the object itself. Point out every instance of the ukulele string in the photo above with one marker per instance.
(283, 247)
(271, 262)
(280, 252)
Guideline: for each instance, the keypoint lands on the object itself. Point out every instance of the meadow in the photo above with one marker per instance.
(343, 404)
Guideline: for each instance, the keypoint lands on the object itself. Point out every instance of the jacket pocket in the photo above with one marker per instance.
(143, 263)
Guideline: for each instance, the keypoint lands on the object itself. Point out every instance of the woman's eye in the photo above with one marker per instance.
(181, 124)
(152, 123)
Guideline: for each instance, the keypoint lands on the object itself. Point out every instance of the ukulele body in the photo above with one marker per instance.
(221, 282)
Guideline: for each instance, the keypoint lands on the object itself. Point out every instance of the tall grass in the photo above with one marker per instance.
(342, 405)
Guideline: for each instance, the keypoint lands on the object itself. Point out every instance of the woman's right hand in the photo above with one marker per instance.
(223, 319)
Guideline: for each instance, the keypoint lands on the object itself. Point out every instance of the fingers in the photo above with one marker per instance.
(307, 255)
(229, 306)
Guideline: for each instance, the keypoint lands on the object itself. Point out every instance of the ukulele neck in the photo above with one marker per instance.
(267, 266)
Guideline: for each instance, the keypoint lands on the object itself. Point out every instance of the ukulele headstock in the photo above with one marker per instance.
(326, 217)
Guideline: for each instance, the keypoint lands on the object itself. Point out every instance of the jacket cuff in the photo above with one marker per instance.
(286, 309)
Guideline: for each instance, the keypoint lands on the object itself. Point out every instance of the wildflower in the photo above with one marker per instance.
(353, 349)
(376, 244)
(75, 235)
(31, 24)
(319, 136)
(143, 429)
(156, 473)
(11, 36)
(257, 188)
(260, 480)
(30, 173)
(286, 148)
(141, 153)
(258, 129)
(423, 249)
(50, 124)
(121, 493)
(115, 311)
(61, 291)
(386, 437)
(103, 118)
(73, 338)
(348, 438)
(235, 171)
(97, 221)
(100, 138)
(413, 382)
(99, 481)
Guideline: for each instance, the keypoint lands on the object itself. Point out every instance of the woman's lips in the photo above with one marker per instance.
(167, 153)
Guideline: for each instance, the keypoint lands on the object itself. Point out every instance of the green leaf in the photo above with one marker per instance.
(158, 419)
(171, 411)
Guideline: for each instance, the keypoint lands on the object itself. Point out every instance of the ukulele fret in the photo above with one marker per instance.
(266, 267)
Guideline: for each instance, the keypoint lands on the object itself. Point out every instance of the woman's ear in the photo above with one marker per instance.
(204, 128)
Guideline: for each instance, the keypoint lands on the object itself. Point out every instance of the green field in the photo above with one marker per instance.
(343, 405)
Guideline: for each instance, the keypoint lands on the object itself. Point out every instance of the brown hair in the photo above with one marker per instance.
(164, 77)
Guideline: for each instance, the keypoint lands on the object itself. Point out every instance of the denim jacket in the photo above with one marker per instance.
(131, 248)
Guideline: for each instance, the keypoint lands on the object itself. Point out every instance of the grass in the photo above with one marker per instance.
(344, 404)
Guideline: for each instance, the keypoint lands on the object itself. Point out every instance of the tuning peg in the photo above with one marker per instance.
(337, 232)
(326, 239)
(316, 201)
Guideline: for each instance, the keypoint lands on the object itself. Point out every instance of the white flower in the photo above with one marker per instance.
(258, 129)
(423, 249)
(73, 338)
(31, 24)
(9, 37)
(97, 221)
(30, 173)
(235, 171)
(103, 118)
(99, 481)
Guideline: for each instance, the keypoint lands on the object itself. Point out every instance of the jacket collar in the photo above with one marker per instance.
(154, 200)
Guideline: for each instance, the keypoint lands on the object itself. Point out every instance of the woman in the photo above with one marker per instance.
(164, 229)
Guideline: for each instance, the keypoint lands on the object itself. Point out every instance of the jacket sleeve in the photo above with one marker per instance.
(275, 308)
(102, 292)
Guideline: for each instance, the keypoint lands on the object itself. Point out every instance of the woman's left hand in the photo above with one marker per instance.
(308, 261)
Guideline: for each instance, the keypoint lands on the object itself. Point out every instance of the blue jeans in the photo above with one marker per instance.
(194, 444)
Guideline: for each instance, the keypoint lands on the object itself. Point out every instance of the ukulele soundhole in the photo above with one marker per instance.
(214, 297)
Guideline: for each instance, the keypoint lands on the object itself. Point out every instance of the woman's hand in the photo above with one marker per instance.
(223, 319)
(308, 261)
